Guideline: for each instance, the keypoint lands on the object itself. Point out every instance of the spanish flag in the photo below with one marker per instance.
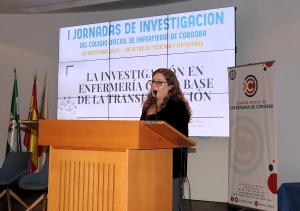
(30, 139)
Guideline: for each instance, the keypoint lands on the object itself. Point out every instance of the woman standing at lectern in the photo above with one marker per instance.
(173, 108)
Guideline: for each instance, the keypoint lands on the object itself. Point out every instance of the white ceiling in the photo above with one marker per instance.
(74, 6)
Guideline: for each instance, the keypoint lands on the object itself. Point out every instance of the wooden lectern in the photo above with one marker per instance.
(110, 165)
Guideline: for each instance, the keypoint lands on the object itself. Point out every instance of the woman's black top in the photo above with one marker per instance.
(176, 115)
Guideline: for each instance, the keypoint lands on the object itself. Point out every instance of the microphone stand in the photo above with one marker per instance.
(155, 93)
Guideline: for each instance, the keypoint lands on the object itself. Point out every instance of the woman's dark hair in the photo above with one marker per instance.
(175, 92)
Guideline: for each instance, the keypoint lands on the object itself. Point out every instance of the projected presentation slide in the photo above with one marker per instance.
(104, 68)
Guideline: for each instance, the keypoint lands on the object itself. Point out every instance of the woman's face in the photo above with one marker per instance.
(161, 88)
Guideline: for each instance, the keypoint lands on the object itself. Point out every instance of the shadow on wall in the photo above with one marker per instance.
(118, 5)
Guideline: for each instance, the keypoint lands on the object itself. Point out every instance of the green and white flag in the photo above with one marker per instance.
(14, 135)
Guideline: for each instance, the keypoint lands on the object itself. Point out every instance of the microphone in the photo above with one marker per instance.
(155, 93)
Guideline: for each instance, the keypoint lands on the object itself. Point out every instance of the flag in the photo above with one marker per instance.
(14, 135)
(30, 139)
(44, 114)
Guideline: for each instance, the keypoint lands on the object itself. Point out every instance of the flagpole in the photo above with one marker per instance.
(44, 114)
(18, 123)
(43, 93)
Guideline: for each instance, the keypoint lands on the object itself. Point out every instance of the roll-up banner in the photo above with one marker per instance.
(252, 136)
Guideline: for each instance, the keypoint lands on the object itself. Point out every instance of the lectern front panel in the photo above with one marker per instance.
(87, 180)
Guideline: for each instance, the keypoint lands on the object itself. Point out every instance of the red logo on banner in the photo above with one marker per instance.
(250, 85)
